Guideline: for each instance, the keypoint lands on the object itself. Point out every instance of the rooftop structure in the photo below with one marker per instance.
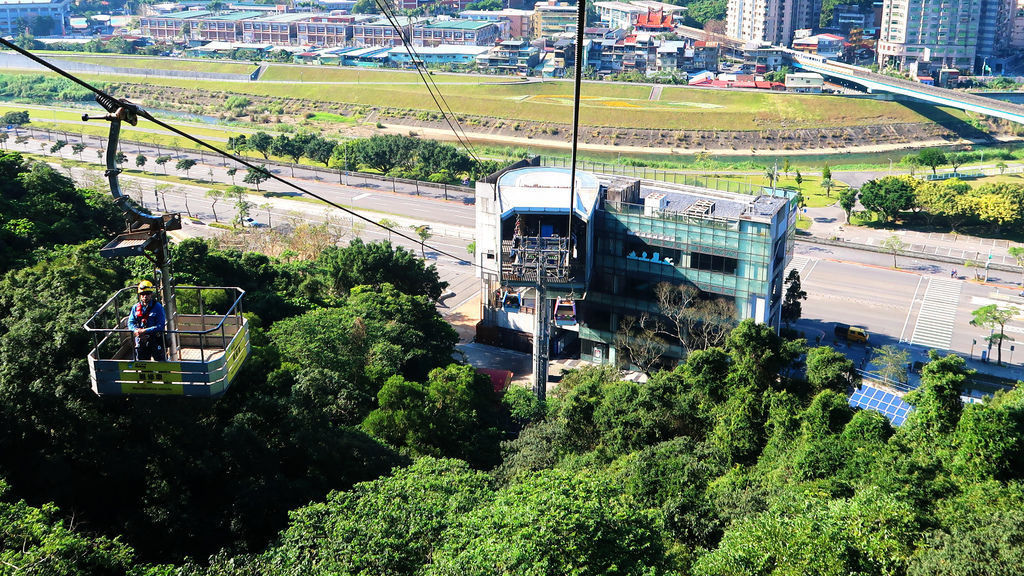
(890, 405)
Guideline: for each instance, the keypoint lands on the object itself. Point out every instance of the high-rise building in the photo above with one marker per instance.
(933, 34)
(1017, 37)
(771, 21)
(995, 29)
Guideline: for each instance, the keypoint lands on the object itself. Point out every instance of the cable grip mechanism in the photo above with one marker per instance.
(120, 110)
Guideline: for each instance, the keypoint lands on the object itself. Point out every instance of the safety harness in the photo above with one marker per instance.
(143, 315)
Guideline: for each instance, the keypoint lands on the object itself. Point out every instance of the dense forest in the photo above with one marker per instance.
(351, 443)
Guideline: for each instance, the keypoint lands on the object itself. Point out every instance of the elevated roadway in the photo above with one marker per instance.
(875, 82)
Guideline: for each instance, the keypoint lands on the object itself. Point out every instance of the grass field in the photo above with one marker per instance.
(603, 104)
(1000, 179)
(159, 63)
(295, 73)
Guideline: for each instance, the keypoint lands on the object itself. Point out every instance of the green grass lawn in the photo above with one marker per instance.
(297, 73)
(335, 118)
(159, 63)
(998, 179)
(603, 104)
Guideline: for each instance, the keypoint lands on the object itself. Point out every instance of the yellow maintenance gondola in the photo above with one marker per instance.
(205, 347)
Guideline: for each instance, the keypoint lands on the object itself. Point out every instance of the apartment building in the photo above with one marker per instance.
(925, 34)
(995, 30)
(325, 31)
(513, 57)
(14, 11)
(1017, 35)
(771, 21)
(824, 45)
(687, 56)
(552, 18)
(456, 32)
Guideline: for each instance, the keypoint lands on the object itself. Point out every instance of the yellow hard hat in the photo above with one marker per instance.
(146, 287)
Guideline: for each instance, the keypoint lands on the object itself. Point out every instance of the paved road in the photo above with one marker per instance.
(917, 306)
(844, 284)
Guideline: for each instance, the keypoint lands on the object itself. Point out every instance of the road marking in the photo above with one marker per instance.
(934, 326)
(361, 196)
(814, 263)
(911, 309)
(798, 263)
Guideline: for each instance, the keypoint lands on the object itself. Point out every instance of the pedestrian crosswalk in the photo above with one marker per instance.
(798, 263)
(934, 326)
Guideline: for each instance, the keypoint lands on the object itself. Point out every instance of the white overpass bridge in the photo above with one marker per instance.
(875, 82)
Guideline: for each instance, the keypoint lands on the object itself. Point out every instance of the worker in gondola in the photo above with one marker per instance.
(147, 321)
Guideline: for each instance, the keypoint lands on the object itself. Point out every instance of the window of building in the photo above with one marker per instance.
(713, 263)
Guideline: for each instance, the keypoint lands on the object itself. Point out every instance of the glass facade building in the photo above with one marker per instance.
(730, 246)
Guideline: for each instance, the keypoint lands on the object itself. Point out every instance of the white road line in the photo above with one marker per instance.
(361, 196)
(911, 309)
(814, 262)
(798, 263)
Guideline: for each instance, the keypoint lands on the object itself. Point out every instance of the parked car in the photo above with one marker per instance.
(851, 333)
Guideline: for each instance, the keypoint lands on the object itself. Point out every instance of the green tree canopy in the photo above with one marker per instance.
(554, 522)
(454, 414)
(374, 264)
(932, 158)
(260, 142)
(40, 208)
(888, 196)
(392, 525)
(386, 152)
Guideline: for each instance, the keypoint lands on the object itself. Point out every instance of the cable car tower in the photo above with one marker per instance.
(535, 230)
(205, 347)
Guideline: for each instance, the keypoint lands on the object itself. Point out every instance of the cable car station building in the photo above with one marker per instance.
(626, 237)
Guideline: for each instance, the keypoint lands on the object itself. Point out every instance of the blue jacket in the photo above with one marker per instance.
(152, 318)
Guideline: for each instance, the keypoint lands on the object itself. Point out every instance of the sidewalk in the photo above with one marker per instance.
(829, 223)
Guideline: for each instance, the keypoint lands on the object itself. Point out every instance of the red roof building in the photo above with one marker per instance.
(654, 21)
(500, 379)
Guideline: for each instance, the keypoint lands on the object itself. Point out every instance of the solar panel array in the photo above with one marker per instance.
(890, 405)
